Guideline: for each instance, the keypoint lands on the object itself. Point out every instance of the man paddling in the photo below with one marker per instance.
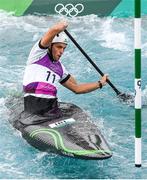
(44, 70)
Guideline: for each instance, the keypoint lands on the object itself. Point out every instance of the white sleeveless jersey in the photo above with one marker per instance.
(42, 74)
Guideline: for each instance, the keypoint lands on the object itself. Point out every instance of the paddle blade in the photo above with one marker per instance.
(126, 98)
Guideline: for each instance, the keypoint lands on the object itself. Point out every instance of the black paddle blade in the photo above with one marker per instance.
(126, 97)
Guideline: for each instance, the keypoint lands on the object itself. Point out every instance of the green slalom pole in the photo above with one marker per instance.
(137, 44)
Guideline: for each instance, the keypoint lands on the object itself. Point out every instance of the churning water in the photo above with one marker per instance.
(109, 42)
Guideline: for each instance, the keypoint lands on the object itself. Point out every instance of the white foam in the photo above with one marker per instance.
(144, 96)
(111, 38)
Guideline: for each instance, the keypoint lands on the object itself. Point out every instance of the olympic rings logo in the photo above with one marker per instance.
(69, 9)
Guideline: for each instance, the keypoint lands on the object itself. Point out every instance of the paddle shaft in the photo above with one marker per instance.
(90, 60)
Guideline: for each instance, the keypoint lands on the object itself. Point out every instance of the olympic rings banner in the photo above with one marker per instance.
(69, 9)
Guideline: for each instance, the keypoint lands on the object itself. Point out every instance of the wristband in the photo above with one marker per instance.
(100, 84)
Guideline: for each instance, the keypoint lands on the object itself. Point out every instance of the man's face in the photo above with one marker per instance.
(58, 50)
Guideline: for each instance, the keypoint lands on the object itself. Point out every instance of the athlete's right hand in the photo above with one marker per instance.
(61, 26)
(104, 79)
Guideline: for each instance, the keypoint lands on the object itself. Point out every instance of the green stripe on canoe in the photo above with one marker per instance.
(58, 139)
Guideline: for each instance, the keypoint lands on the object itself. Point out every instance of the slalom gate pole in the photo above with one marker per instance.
(137, 46)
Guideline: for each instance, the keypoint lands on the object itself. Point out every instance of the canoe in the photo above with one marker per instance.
(74, 134)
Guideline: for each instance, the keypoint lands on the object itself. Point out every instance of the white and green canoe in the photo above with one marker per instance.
(118, 8)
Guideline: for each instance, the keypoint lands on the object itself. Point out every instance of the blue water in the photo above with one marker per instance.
(109, 42)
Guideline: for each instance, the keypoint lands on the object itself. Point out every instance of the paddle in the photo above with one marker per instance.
(122, 96)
